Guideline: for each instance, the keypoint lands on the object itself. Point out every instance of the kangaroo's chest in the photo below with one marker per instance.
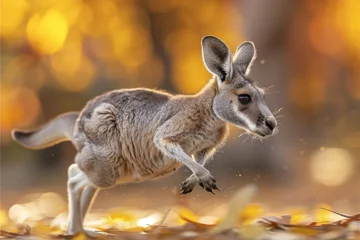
(154, 164)
(204, 138)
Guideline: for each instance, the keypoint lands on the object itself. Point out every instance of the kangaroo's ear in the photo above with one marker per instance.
(217, 57)
(244, 57)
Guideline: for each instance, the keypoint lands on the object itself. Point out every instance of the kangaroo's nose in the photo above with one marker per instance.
(270, 123)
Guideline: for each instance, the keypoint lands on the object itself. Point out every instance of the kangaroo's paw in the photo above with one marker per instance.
(188, 185)
(208, 183)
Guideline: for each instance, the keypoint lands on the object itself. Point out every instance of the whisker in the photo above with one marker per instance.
(272, 92)
(254, 139)
(247, 137)
(277, 111)
(278, 119)
(266, 89)
(279, 116)
(241, 134)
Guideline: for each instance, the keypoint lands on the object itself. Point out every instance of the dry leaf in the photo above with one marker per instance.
(237, 203)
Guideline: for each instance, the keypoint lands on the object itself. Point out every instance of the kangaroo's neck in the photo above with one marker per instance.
(209, 91)
(206, 97)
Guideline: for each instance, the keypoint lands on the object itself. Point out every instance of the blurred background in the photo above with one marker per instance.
(57, 55)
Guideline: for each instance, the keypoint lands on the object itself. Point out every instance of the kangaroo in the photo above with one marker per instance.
(134, 135)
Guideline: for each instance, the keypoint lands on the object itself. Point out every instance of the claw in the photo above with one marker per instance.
(214, 186)
(186, 187)
(209, 190)
(186, 191)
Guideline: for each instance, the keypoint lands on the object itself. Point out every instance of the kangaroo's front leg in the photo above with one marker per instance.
(174, 150)
(202, 157)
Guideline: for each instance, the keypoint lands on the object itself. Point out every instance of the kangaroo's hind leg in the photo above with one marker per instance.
(88, 195)
(79, 206)
(87, 199)
(77, 180)
(99, 173)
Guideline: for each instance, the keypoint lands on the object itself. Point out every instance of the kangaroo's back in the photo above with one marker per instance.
(133, 109)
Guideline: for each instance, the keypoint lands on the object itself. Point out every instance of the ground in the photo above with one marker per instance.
(238, 218)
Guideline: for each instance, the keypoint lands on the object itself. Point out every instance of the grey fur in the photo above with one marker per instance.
(244, 57)
(134, 135)
(217, 57)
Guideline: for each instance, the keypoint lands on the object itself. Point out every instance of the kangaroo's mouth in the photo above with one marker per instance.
(265, 127)
(260, 134)
(264, 132)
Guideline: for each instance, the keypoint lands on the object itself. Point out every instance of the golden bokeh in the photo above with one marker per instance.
(332, 166)
(21, 107)
(47, 31)
(347, 18)
(12, 18)
(190, 70)
(132, 46)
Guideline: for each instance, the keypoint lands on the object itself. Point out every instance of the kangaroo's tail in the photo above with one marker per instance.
(57, 130)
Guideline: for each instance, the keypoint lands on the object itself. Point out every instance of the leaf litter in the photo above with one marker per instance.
(242, 220)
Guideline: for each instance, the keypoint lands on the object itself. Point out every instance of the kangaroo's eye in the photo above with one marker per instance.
(244, 99)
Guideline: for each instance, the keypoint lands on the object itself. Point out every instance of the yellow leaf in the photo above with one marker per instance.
(41, 229)
(186, 215)
(298, 215)
(322, 215)
(3, 218)
(80, 236)
(125, 216)
(250, 213)
(237, 203)
(304, 230)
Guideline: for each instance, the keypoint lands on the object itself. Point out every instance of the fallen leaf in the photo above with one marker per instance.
(237, 203)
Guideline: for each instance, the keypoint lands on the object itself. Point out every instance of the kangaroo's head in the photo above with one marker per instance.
(239, 100)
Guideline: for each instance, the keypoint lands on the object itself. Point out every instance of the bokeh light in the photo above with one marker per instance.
(34, 208)
(47, 32)
(347, 17)
(150, 220)
(20, 107)
(13, 17)
(331, 166)
(51, 204)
